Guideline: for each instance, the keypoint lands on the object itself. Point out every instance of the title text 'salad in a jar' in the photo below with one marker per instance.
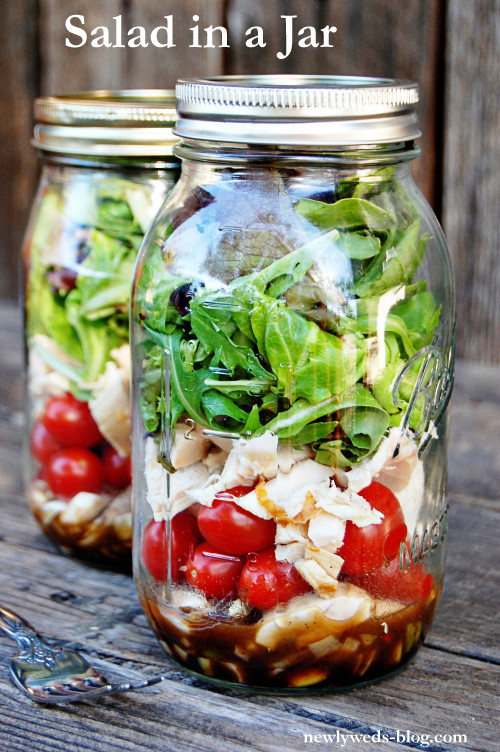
(107, 166)
(293, 324)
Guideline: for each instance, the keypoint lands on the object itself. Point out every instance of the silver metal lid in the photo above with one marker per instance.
(297, 110)
(128, 123)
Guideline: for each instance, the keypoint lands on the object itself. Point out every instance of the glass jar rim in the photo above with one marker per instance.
(289, 110)
(121, 123)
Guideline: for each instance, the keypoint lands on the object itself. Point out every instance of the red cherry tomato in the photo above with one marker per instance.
(265, 582)
(116, 468)
(213, 572)
(184, 536)
(70, 422)
(72, 470)
(366, 549)
(232, 529)
(42, 444)
(407, 586)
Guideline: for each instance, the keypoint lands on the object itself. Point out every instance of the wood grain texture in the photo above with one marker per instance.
(160, 68)
(451, 687)
(428, 696)
(18, 86)
(471, 184)
(64, 69)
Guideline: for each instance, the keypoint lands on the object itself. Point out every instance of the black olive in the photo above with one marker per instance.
(283, 403)
(266, 416)
(328, 197)
(222, 420)
(182, 296)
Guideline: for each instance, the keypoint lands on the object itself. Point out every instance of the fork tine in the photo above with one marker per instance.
(73, 691)
(95, 681)
(140, 685)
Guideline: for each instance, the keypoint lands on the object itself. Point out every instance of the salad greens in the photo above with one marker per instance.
(82, 257)
(291, 347)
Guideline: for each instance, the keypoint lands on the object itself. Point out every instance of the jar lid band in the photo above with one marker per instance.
(107, 123)
(297, 110)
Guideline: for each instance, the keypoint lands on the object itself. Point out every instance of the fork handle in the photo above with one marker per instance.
(16, 627)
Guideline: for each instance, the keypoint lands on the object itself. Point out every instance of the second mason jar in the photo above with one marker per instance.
(293, 324)
(107, 166)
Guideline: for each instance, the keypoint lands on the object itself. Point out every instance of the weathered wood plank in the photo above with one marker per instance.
(380, 39)
(474, 459)
(428, 697)
(437, 693)
(160, 68)
(178, 716)
(466, 619)
(372, 39)
(100, 611)
(243, 14)
(18, 85)
(471, 184)
(477, 382)
(65, 69)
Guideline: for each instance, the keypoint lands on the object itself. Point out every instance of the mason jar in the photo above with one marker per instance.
(293, 321)
(107, 166)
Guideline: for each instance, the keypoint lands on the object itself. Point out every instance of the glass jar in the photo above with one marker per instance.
(107, 166)
(293, 322)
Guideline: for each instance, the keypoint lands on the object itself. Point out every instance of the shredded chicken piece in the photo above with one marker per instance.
(189, 445)
(110, 402)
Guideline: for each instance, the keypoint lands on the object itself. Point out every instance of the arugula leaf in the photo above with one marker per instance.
(358, 245)
(420, 315)
(346, 214)
(306, 361)
(253, 424)
(374, 183)
(153, 296)
(114, 215)
(337, 453)
(289, 423)
(104, 277)
(363, 420)
(217, 405)
(187, 387)
(314, 432)
(150, 400)
(383, 387)
(258, 323)
(217, 341)
(96, 340)
(239, 387)
(394, 266)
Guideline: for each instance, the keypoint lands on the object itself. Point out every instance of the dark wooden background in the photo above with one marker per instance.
(451, 47)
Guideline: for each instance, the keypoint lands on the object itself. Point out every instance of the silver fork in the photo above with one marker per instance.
(54, 675)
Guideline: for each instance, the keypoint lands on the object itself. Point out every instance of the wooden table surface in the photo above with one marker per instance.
(450, 688)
